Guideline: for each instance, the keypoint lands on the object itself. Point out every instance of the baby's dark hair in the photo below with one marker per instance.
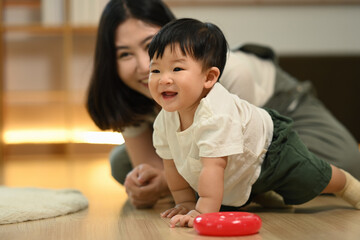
(204, 42)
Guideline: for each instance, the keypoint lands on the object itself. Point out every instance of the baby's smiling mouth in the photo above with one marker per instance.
(168, 94)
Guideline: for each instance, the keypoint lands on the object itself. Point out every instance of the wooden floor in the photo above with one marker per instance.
(110, 216)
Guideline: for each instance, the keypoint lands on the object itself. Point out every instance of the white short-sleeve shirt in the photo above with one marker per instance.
(224, 125)
(249, 77)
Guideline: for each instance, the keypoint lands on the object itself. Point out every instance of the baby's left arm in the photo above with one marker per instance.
(211, 184)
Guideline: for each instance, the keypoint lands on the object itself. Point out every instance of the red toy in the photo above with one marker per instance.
(227, 223)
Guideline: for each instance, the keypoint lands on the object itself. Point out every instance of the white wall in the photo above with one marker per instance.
(299, 30)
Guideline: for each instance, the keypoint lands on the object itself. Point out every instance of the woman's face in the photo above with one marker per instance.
(132, 40)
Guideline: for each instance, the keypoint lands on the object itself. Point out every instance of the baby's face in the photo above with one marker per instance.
(176, 81)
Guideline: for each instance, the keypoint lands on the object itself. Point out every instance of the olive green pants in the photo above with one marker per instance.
(289, 168)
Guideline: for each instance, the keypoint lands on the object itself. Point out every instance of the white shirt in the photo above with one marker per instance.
(249, 77)
(223, 125)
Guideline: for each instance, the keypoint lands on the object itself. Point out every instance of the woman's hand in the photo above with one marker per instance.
(178, 209)
(184, 220)
(145, 185)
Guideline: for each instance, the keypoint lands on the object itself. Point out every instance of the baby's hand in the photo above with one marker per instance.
(178, 209)
(184, 220)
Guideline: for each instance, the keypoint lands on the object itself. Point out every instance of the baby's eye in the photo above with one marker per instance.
(177, 69)
(155, 71)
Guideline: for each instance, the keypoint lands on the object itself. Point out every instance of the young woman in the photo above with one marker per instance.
(119, 99)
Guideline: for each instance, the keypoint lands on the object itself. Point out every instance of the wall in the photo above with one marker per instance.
(307, 31)
(290, 29)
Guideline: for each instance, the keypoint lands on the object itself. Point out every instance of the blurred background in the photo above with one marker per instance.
(47, 48)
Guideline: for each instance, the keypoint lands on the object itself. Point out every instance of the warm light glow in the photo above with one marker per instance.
(62, 136)
(97, 137)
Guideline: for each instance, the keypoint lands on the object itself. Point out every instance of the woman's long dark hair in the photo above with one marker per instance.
(110, 103)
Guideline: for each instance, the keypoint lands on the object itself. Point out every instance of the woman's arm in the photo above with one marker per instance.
(141, 150)
(146, 183)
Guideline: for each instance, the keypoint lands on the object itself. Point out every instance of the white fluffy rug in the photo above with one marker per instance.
(25, 204)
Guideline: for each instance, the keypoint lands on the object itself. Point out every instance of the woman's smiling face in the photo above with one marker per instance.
(132, 40)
